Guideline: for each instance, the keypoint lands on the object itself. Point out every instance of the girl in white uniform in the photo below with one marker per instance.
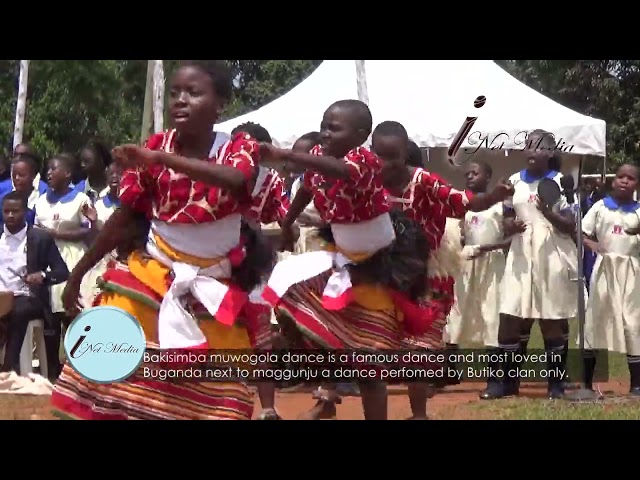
(537, 282)
(95, 157)
(23, 172)
(477, 316)
(98, 215)
(61, 211)
(612, 321)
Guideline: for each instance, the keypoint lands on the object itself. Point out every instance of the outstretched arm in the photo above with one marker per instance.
(234, 172)
(300, 202)
(73, 235)
(337, 168)
(223, 176)
(482, 201)
(330, 166)
(455, 203)
(110, 236)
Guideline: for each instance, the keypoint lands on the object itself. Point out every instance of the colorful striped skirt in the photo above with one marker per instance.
(262, 333)
(369, 322)
(134, 288)
(140, 399)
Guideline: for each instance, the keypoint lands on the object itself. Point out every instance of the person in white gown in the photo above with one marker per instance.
(61, 212)
(476, 319)
(98, 215)
(541, 263)
(612, 322)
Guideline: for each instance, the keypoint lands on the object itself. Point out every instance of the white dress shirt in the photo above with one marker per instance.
(13, 262)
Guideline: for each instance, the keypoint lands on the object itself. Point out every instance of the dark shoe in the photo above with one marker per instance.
(504, 382)
(634, 373)
(555, 391)
(500, 389)
(567, 385)
(495, 391)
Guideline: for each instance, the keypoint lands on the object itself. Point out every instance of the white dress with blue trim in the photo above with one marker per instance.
(613, 309)
(105, 207)
(542, 263)
(64, 213)
(475, 318)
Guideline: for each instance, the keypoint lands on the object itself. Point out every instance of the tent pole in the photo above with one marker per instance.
(158, 96)
(21, 106)
(583, 394)
(361, 77)
(147, 113)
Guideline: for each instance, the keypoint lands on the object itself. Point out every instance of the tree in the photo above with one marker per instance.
(70, 101)
(605, 89)
(259, 82)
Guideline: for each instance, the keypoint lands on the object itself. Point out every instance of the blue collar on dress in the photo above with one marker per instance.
(612, 204)
(109, 202)
(527, 177)
(64, 198)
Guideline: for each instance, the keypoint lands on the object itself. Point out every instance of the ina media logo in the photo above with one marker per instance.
(499, 140)
(105, 344)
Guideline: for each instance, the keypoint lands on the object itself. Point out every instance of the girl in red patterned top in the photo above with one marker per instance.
(189, 288)
(347, 297)
(269, 204)
(429, 201)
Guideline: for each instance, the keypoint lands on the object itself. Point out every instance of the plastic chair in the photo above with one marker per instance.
(35, 331)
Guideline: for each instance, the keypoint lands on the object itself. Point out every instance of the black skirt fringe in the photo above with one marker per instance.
(402, 266)
(259, 261)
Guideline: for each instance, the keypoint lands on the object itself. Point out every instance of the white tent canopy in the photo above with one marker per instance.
(431, 98)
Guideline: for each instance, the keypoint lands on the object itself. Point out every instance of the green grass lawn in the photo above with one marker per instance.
(615, 408)
(616, 368)
(610, 407)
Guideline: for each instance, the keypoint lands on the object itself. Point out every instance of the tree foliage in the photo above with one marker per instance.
(70, 101)
(605, 89)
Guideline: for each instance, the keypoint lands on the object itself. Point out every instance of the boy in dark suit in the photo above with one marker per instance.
(29, 264)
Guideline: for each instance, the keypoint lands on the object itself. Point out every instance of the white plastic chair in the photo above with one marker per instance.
(35, 331)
